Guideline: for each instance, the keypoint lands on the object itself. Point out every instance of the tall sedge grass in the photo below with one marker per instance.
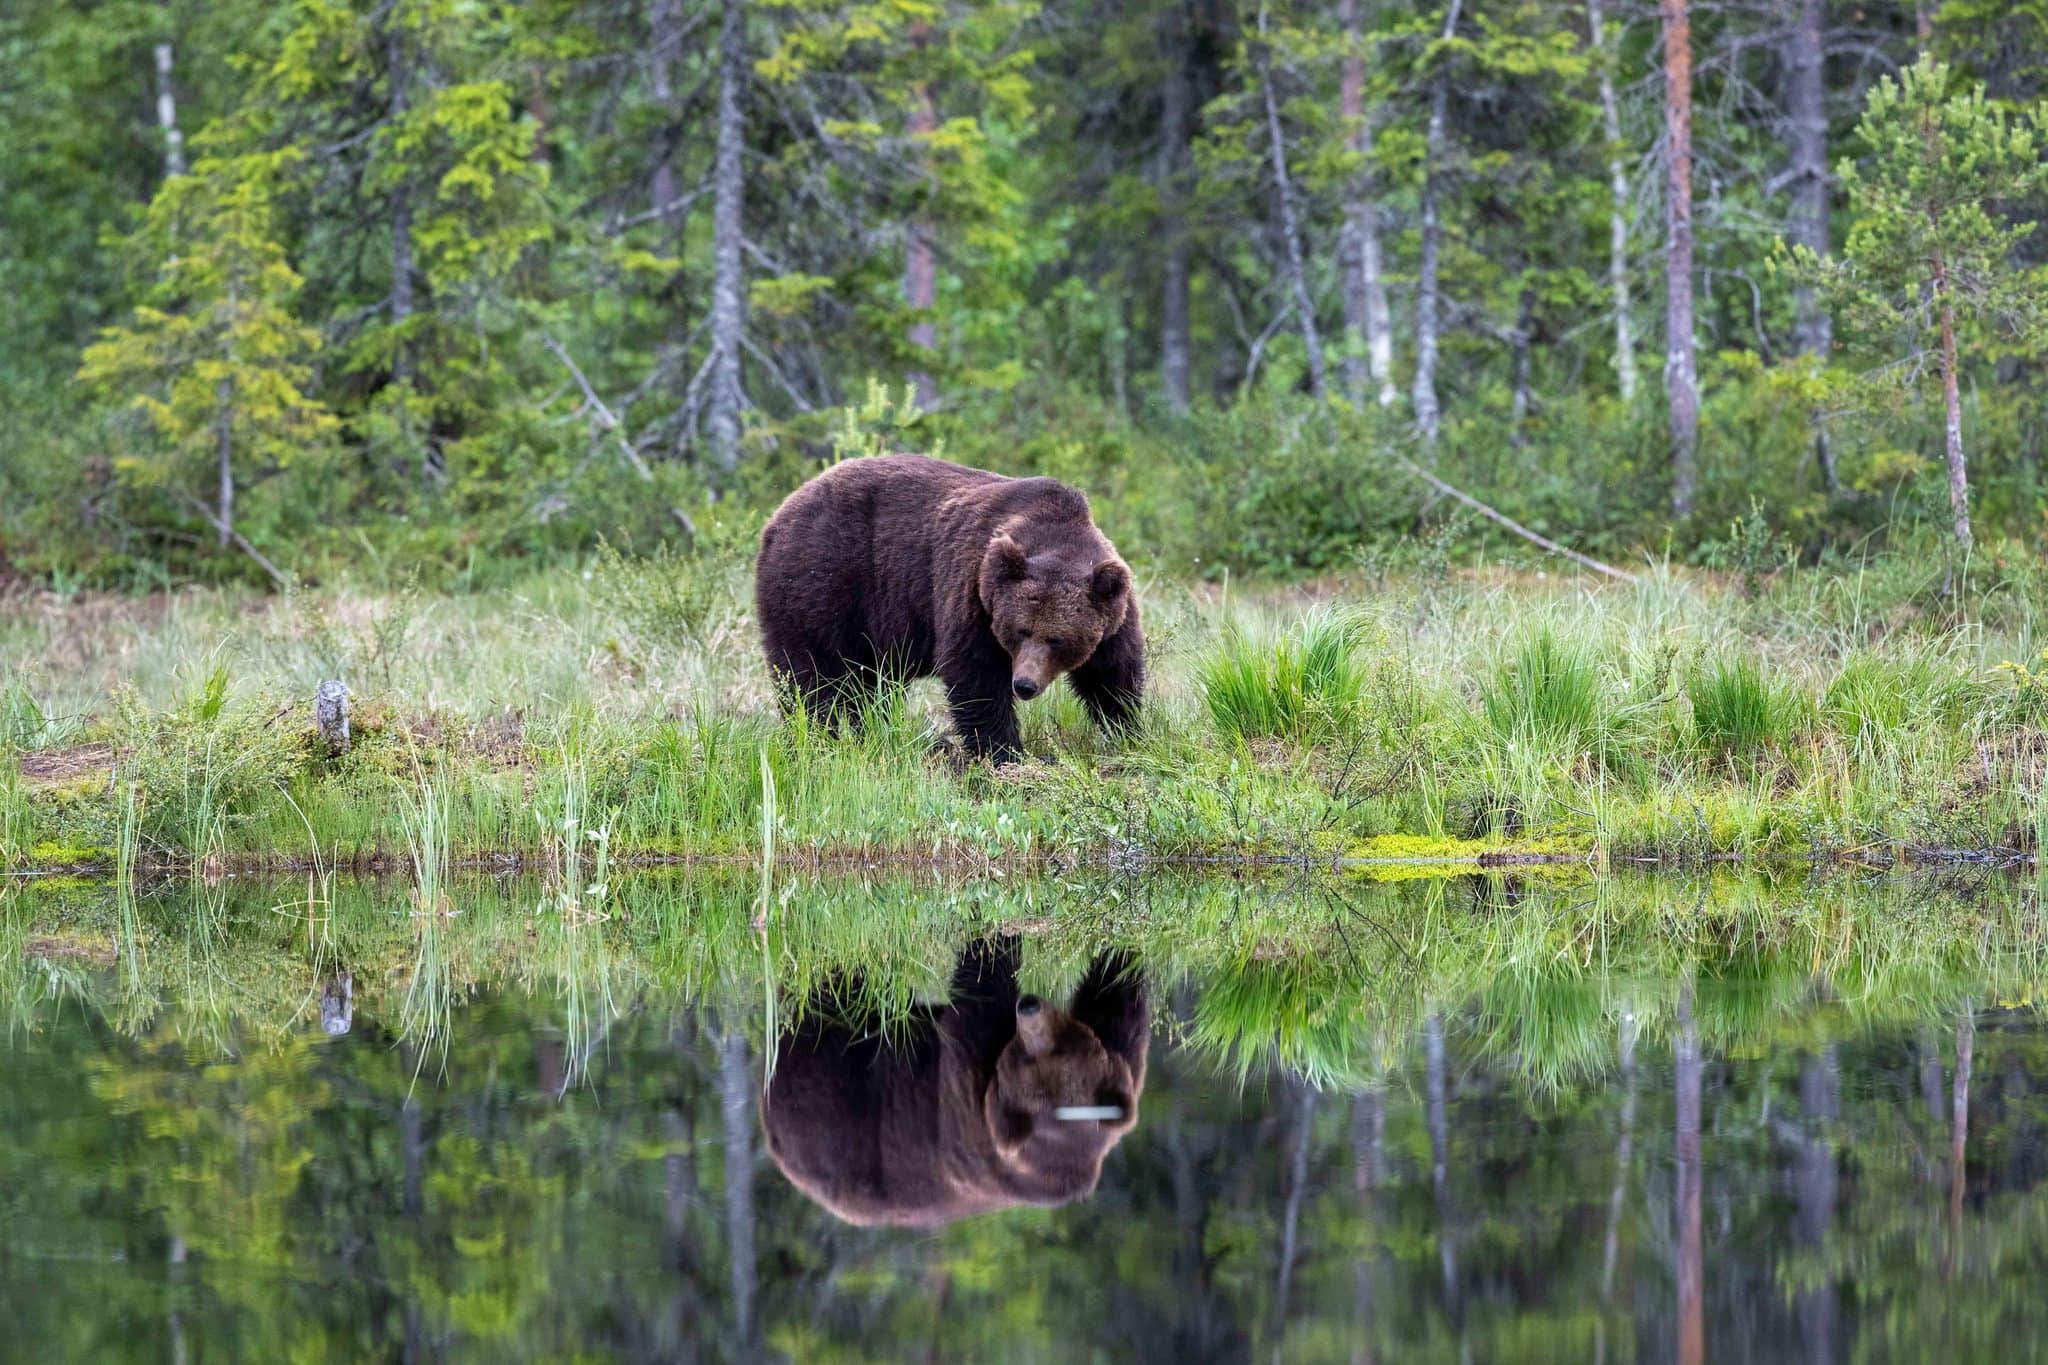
(424, 816)
(1286, 685)
(1736, 711)
(1546, 695)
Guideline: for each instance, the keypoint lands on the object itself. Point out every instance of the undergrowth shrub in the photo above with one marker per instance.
(668, 597)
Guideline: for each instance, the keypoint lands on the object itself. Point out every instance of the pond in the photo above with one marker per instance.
(1282, 1117)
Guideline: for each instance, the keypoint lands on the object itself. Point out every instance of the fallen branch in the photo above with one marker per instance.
(606, 418)
(277, 575)
(1511, 524)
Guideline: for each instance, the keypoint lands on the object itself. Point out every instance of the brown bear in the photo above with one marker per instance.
(895, 567)
(991, 1100)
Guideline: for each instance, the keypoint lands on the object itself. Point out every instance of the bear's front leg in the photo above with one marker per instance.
(976, 672)
(1111, 683)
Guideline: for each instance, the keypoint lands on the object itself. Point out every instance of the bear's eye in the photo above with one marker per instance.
(1056, 646)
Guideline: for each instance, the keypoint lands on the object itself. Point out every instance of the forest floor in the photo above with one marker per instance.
(623, 714)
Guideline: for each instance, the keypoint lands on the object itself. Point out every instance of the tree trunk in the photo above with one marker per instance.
(1427, 416)
(1923, 24)
(167, 100)
(1525, 327)
(1369, 352)
(1932, 1082)
(1436, 1112)
(1816, 1181)
(1807, 141)
(1290, 1217)
(920, 264)
(664, 30)
(728, 303)
(1175, 335)
(1368, 1139)
(1959, 1137)
(1617, 214)
(397, 72)
(1692, 1271)
(1681, 371)
(224, 451)
(1290, 232)
(1623, 1148)
(1952, 404)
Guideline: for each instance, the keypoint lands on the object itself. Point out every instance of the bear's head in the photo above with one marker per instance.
(1058, 1102)
(1051, 609)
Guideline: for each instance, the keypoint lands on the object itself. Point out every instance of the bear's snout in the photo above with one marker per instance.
(1025, 688)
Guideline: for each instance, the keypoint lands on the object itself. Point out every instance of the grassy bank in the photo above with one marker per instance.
(624, 710)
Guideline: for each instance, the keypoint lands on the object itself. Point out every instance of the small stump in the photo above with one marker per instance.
(330, 713)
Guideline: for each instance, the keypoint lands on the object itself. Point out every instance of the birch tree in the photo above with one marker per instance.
(167, 97)
(728, 317)
(1806, 142)
(1428, 304)
(1176, 342)
(1290, 225)
(1369, 348)
(1618, 212)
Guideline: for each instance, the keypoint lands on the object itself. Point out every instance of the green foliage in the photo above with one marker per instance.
(1290, 686)
(1547, 694)
(400, 219)
(669, 598)
(1736, 711)
(214, 360)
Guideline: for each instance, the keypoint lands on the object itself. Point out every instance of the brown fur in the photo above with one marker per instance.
(954, 1114)
(897, 567)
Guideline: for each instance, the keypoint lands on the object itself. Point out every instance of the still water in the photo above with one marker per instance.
(1434, 1121)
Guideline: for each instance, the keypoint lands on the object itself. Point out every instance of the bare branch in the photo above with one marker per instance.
(673, 206)
(606, 418)
(277, 575)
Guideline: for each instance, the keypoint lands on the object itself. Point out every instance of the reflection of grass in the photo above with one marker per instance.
(1328, 979)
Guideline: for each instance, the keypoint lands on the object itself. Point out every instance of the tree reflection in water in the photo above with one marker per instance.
(1488, 1147)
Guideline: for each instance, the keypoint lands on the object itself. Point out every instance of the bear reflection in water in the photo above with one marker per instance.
(990, 1100)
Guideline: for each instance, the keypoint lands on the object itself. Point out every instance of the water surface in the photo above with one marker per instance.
(1478, 1121)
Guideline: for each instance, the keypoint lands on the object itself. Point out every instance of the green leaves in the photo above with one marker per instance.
(1940, 170)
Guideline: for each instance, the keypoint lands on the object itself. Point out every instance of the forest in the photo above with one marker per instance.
(1575, 869)
(447, 291)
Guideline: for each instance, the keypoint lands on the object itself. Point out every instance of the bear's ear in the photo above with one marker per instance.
(1004, 563)
(1109, 580)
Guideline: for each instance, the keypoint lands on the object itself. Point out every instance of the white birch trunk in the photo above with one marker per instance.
(728, 302)
(167, 100)
(1428, 417)
(1617, 218)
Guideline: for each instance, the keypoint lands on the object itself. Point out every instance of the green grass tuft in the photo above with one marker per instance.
(1736, 712)
(1288, 686)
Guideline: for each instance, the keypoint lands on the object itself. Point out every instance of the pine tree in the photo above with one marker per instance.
(214, 358)
(1930, 247)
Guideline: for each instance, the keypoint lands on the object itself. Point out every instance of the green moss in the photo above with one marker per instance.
(54, 853)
